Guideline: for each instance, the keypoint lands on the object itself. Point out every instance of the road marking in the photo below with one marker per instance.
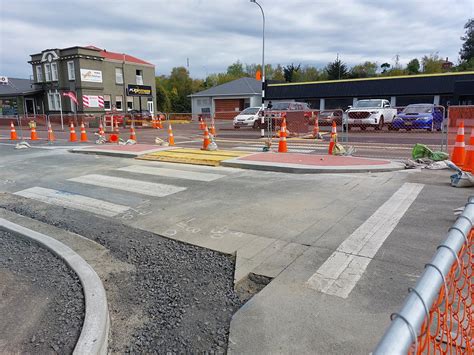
(343, 269)
(130, 185)
(74, 201)
(174, 173)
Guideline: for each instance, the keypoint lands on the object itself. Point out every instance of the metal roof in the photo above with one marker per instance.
(239, 87)
(429, 84)
(18, 87)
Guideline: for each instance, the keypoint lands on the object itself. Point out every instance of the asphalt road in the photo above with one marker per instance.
(281, 226)
(368, 143)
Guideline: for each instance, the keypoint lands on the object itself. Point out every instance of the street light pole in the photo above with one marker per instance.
(262, 131)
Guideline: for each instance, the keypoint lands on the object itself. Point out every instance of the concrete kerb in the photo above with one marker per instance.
(310, 169)
(95, 329)
(117, 153)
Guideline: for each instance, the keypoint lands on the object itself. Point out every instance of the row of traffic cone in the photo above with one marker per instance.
(463, 156)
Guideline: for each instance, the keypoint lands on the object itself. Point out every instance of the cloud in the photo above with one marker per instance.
(214, 34)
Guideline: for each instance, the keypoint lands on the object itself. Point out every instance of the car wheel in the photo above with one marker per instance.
(380, 125)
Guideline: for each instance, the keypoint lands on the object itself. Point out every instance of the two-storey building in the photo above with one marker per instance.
(93, 80)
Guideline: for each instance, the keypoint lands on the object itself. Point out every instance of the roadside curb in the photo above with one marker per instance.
(118, 153)
(309, 169)
(95, 329)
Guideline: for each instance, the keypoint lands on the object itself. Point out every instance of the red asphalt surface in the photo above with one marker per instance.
(311, 159)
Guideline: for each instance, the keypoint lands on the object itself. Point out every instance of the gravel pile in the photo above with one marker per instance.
(180, 299)
(39, 278)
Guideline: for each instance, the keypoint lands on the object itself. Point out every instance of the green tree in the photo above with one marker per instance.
(364, 70)
(163, 103)
(336, 70)
(278, 74)
(467, 51)
(385, 67)
(432, 64)
(308, 73)
(236, 70)
(289, 72)
(413, 66)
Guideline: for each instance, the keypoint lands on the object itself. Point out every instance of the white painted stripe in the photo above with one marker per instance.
(174, 173)
(459, 144)
(130, 185)
(74, 201)
(343, 269)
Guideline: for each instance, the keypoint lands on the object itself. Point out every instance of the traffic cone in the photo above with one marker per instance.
(72, 133)
(133, 136)
(154, 123)
(316, 127)
(83, 133)
(170, 135)
(333, 140)
(459, 152)
(34, 136)
(469, 161)
(202, 125)
(13, 135)
(101, 129)
(160, 123)
(213, 130)
(50, 133)
(282, 146)
(206, 141)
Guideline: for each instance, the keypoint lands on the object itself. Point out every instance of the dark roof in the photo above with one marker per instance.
(18, 87)
(428, 84)
(242, 86)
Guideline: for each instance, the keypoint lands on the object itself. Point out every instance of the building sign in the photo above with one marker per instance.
(93, 76)
(93, 101)
(139, 90)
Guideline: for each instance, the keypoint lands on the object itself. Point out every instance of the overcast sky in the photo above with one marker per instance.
(216, 33)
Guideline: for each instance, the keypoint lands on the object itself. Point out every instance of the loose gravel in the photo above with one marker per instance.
(41, 299)
(179, 299)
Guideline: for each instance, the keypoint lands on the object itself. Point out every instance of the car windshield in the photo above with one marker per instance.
(250, 111)
(368, 103)
(418, 109)
(281, 106)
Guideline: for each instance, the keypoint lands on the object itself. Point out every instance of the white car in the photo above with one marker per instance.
(370, 113)
(248, 118)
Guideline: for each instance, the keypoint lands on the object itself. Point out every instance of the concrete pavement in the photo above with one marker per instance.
(283, 226)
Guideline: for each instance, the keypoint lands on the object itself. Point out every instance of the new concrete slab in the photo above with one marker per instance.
(123, 151)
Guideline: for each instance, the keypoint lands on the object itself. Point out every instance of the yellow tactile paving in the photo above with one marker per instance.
(193, 156)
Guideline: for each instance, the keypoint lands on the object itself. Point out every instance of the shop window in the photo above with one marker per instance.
(53, 101)
(70, 71)
(118, 103)
(139, 77)
(118, 76)
(47, 71)
(129, 103)
(54, 71)
(107, 102)
(39, 74)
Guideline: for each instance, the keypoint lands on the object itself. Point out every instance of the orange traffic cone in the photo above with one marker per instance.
(459, 152)
(333, 140)
(34, 136)
(170, 135)
(154, 123)
(469, 161)
(13, 135)
(133, 136)
(213, 130)
(282, 146)
(160, 123)
(316, 126)
(72, 133)
(50, 133)
(206, 141)
(202, 125)
(83, 133)
(101, 129)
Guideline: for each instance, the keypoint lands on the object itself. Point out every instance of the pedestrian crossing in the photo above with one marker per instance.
(136, 184)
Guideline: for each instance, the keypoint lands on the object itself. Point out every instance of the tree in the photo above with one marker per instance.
(278, 74)
(336, 70)
(236, 70)
(364, 70)
(432, 63)
(385, 66)
(413, 66)
(289, 72)
(163, 103)
(467, 51)
(308, 73)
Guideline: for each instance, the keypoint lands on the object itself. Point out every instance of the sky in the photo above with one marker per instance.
(213, 34)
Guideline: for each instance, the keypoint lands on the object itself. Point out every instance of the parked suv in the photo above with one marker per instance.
(370, 113)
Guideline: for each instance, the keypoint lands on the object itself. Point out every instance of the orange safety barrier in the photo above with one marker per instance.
(450, 326)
